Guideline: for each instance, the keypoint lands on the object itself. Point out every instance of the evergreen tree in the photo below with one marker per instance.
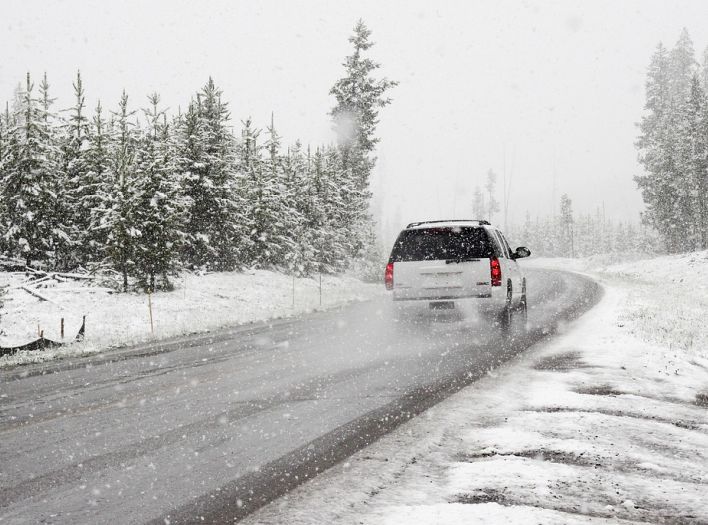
(266, 199)
(30, 185)
(704, 71)
(566, 226)
(118, 217)
(479, 209)
(300, 216)
(359, 96)
(188, 150)
(60, 222)
(316, 236)
(157, 214)
(657, 153)
(692, 164)
(682, 66)
(492, 203)
(80, 186)
(101, 182)
(673, 146)
(337, 196)
(5, 127)
(4, 134)
(206, 162)
(285, 185)
(3, 292)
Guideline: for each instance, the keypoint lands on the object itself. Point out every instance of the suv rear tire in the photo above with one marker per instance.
(507, 314)
(524, 305)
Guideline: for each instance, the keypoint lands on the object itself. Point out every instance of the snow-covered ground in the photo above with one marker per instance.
(606, 424)
(199, 303)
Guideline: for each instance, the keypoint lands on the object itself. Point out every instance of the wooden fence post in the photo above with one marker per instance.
(152, 330)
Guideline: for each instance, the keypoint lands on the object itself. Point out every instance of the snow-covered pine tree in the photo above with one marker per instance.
(3, 292)
(656, 150)
(682, 66)
(316, 237)
(479, 210)
(698, 178)
(221, 169)
(299, 205)
(157, 214)
(281, 202)
(4, 158)
(352, 216)
(674, 149)
(30, 184)
(261, 189)
(316, 195)
(248, 159)
(359, 96)
(188, 153)
(691, 150)
(492, 203)
(60, 220)
(207, 170)
(100, 175)
(118, 195)
(566, 226)
(80, 186)
(342, 222)
(701, 177)
(4, 134)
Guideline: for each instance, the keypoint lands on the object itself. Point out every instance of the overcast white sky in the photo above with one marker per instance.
(557, 85)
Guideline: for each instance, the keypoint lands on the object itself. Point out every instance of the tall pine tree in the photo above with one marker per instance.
(29, 180)
(207, 170)
(80, 185)
(119, 197)
(359, 96)
(157, 215)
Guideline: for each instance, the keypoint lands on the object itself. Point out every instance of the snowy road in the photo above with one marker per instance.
(214, 426)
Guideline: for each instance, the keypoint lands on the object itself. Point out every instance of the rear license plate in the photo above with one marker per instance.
(442, 305)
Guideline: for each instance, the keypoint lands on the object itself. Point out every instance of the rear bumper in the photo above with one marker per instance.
(397, 297)
(485, 295)
(487, 303)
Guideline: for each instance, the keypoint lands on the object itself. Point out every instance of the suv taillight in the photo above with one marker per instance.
(389, 276)
(495, 271)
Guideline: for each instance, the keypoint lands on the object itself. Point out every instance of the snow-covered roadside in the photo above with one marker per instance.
(198, 304)
(606, 424)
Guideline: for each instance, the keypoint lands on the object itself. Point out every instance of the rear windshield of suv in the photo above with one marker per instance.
(431, 244)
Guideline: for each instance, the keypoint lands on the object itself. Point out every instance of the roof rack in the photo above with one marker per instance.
(478, 221)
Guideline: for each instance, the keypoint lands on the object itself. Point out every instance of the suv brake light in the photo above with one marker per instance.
(389, 276)
(494, 271)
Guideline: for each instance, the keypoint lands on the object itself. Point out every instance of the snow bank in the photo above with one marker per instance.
(667, 297)
(606, 424)
(199, 303)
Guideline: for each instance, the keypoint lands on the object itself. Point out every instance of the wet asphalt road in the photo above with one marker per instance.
(209, 428)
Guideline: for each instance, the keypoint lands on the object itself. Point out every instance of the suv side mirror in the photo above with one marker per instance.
(520, 253)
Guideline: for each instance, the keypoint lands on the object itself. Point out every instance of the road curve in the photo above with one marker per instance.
(209, 428)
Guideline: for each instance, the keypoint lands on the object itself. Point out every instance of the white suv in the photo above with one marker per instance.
(441, 262)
